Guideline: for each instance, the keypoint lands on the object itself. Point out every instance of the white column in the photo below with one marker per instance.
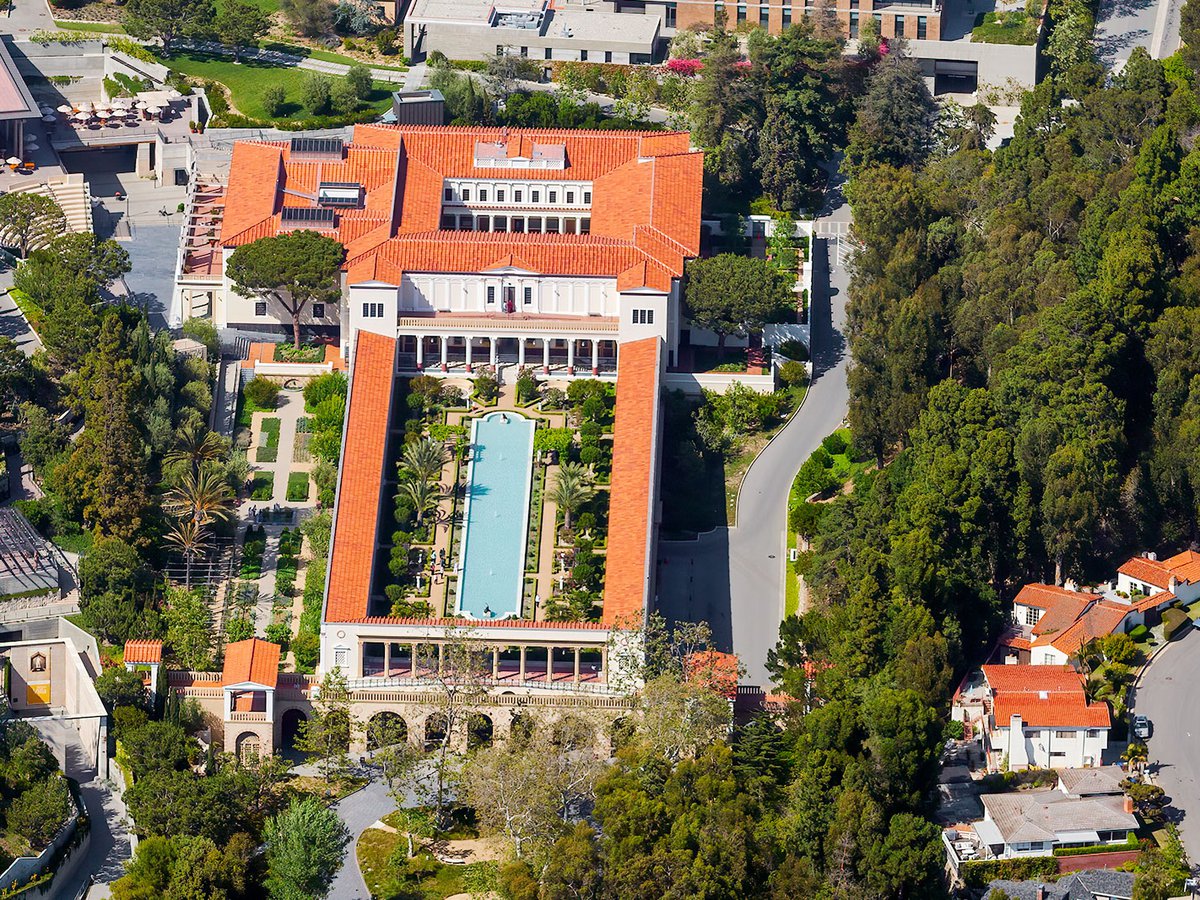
(549, 665)
(545, 356)
(270, 706)
(571, 356)
(576, 665)
(469, 340)
(522, 662)
(492, 351)
(595, 357)
(521, 351)
(442, 339)
(420, 351)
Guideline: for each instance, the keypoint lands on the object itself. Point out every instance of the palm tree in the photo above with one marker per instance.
(424, 458)
(197, 445)
(202, 497)
(424, 494)
(572, 489)
(1136, 755)
(188, 535)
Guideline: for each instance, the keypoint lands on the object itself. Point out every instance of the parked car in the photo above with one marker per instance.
(1141, 727)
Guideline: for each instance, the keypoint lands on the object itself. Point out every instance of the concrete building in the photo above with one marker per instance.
(1036, 823)
(536, 29)
(17, 107)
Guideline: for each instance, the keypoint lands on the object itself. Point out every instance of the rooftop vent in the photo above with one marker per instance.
(317, 148)
(1043, 695)
(301, 217)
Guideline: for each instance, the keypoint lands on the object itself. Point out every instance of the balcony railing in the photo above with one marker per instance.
(246, 717)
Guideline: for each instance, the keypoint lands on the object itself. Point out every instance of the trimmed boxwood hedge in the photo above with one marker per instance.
(1173, 620)
(978, 873)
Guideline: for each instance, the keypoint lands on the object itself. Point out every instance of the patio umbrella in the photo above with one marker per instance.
(65, 108)
(103, 114)
(83, 116)
(142, 104)
(13, 160)
(47, 118)
(174, 94)
(33, 147)
(29, 138)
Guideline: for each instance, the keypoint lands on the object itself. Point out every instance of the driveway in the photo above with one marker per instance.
(732, 578)
(1164, 695)
(1123, 25)
(357, 812)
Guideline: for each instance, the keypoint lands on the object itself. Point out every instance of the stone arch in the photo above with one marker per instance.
(289, 729)
(249, 744)
(480, 730)
(385, 729)
(436, 728)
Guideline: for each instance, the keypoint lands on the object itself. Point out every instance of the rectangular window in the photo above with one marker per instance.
(449, 223)
(718, 10)
(608, 56)
(741, 12)
(260, 308)
(466, 195)
(922, 27)
(570, 196)
(491, 294)
(853, 23)
(517, 195)
(483, 223)
(1093, 732)
(549, 53)
(524, 51)
(764, 14)
(787, 16)
(587, 197)
(535, 196)
(372, 311)
(517, 224)
(527, 296)
(1064, 735)
(1031, 615)
(585, 225)
(482, 195)
(448, 194)
(899, 26)
(318, 310)
(568, 226)
(643, 317)
(500, 224)
(499, 195)
(552, 225)
(583, 56)
(670, 22)
(535, 224)
(553, 196)
(466, 223)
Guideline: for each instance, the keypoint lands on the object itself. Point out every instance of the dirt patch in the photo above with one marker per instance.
(88, 12)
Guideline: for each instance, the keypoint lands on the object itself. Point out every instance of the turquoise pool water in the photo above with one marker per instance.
(492, 577)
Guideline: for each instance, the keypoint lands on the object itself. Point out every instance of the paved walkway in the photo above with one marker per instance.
(25, 16)
(12, 321)
(732, 578)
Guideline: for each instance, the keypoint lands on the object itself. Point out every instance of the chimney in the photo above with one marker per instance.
(1152, 556)
(1128, 805)
(1071, 584)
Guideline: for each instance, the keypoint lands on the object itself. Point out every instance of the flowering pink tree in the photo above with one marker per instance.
(686, 67)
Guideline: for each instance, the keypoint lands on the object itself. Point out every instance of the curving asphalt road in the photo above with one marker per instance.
(1164, 694)
(732, 578)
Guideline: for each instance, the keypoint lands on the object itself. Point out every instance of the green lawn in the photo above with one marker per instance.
(324, 55)
(95, 27)
(297, 489)
(1014, 27)
(791, 601)
(267, 6)
(262, 486)
(248, 81)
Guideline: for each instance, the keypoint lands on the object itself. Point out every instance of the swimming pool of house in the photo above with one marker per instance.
(491, 579)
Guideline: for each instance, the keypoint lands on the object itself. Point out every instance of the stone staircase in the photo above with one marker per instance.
(71, 193)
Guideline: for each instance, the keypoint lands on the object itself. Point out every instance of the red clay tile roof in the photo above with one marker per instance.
(1043, 696)
(1062, 607)
(1184, 566)
(144, 652)
(356, 520)
(1150, 571)
(480, 626)
(1162, 598)
(715, 670)
(645, 214)
(634, 483)
(1101, 618)
(253, 660)
(1045, 596)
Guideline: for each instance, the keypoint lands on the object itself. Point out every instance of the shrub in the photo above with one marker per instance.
(552, 439)
(278, 633)
(262, 392)
(486, 387)
(385, 42)
(263, 485)
(342, 97)
(978, 873)
(793, 374)
(1140, 633)
(239, 629)
(273, 99)
(527, 387)
(307, 647)
(1173, 622)
(205, 332)
(316, 92)
(297, 489)
(836, 443)
(794, 350)
(554, 398)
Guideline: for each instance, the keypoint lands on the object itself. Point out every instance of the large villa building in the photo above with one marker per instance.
(559, 251)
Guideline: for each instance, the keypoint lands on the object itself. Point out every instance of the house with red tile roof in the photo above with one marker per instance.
(1039, 715)
(475, 246)
(1142, 577)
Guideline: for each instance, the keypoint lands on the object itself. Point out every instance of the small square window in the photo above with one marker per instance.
(587, 197)
(535, 196)
(554, 196)
(517, 195)
(482, 196)
(517, 225)
(318, 310)
(491, 294)
(499, 196)
(448, 194)
(466, 195)
(260, 308)
(527, 295)
(570, 196)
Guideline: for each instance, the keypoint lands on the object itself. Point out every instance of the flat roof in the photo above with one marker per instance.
(610, 28)
(15, 100)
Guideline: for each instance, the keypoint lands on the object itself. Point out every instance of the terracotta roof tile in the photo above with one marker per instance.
(1101, 619)
(479, 626)
(1150, 571)
(1184, 566)
(356, 520)
(631, 507)
(254, 660)
(1043, 696)
(144, 652)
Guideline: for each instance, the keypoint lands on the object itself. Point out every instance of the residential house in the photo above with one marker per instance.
(1090, 884)
(1040, 716)
(1100, 781)
(1036, 823)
